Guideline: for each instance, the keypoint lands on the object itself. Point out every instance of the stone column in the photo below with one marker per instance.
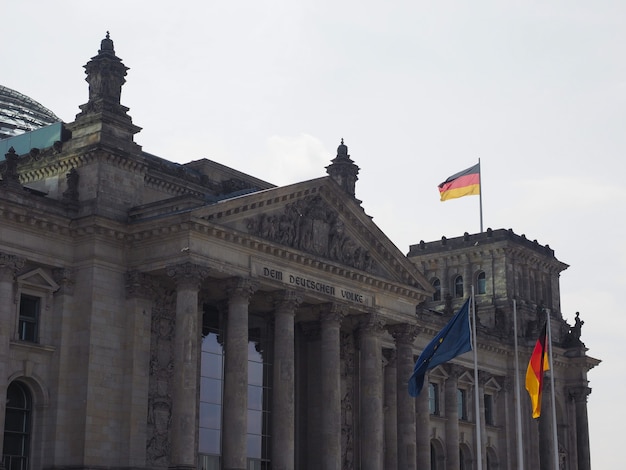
(422, 425)
(186, 365)
(371, 392)
(404, 334)
(583, 454)
(9, 265)
(330, 378)
(391, 410)
(283, 409)
(451, 411)
(235, 412)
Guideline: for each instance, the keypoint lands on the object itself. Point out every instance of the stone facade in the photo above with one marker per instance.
(157, 315)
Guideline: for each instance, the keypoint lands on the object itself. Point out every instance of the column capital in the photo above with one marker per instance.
(403, 333)
(579, 394)
(187, 274)
(334, 313)
(242, 287)
(454, 371)
(10, 264)
(287, 300)
(371, 322)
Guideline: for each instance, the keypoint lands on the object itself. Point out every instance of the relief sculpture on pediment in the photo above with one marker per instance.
(310, 225)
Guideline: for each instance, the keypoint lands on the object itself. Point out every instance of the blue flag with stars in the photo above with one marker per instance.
(452, 341)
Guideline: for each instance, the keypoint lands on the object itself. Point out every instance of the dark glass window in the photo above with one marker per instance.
(433, 398)
(458, 287)
(437, 286)
(211, 395)
(488, 399)
(28, 328)
(433, 457)
(461, 402)
(17, 428)
(481, 283)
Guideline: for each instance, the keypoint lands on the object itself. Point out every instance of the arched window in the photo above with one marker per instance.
(17, 427)
(481, 283)
(437, 286)
(458, 287)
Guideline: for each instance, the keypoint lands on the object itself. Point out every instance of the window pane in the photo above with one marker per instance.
(210, 390)
(482, 283)
(254, 445)
(210, 415)
(255, 398)
(211, 365)
(255, 422)
(210, 344)
(15, 421)
(255, 373)
(209, 441)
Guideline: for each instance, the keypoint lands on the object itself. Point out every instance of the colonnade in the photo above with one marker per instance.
(391, 440)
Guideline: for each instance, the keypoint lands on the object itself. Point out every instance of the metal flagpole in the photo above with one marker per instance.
(555, 437)
(518, 408)
(479, 445)
(480, 195)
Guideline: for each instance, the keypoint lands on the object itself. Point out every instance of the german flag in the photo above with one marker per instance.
(463, 183)
(537, 365)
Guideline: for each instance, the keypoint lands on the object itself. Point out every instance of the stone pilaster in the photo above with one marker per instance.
(184, 443)
(235, 412)
(330, 346)
(371, 392)
(140, 292)
(583, 454)
(9, 266)
(391, 410)
(283, 416)
(404, 334)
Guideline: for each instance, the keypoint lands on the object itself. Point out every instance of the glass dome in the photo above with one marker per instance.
(19, 114)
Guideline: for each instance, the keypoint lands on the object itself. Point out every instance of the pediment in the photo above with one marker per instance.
(38, 279)
(318, 218)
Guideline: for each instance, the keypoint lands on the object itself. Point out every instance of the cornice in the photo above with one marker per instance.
(35, 169)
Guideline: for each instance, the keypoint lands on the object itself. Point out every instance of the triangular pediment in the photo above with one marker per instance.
(318, 218)
(38, 279)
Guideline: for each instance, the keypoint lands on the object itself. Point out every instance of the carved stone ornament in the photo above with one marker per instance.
(403, 333)
(310, 225)
(161, 374)
(348, 361)
(187, 273)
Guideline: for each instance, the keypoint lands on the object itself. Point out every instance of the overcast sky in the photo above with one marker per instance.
(418, 90)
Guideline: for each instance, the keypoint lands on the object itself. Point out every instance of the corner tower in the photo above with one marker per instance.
(343, 170)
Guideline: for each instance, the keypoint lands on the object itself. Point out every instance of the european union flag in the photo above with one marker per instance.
(452, 341)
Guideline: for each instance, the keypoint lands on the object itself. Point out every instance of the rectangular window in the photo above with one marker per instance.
(433, 398)
(461, 401)
(488, 399)
(28, 327)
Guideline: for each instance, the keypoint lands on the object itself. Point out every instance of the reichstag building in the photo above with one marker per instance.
(158, 315)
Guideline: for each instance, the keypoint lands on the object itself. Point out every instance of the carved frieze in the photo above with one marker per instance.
(310, 225)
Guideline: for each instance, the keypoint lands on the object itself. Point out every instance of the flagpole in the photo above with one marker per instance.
(518, 408)
(555, 437)
(480, 195)
(479, 445)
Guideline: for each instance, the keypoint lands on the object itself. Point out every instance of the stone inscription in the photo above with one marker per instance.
(311, 284)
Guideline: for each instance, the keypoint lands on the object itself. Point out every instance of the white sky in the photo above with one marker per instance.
(418, 90)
